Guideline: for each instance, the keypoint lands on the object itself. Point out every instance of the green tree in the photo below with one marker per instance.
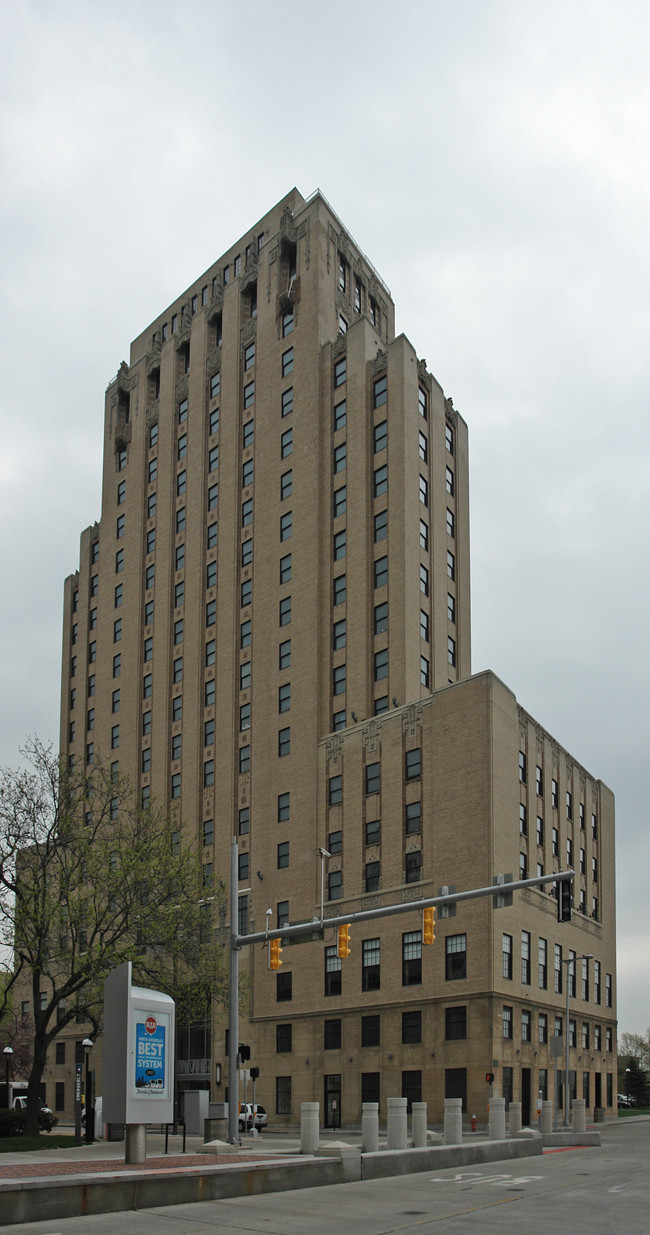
(89, 880)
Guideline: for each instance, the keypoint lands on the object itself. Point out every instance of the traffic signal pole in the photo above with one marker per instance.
(233, 1044)
(315, 929)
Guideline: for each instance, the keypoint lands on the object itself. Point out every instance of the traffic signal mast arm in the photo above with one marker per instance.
(317, 925)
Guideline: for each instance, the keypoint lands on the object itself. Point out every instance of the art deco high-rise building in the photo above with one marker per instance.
(269, 631)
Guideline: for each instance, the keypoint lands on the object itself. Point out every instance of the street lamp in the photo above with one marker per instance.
(7, 1052)
(90, 1114)
(570, 960)
(627, 1084)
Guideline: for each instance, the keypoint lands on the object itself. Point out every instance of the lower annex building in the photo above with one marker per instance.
(269, 630)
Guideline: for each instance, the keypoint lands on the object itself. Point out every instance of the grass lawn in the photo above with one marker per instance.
(625, 1111)
(24, 1144)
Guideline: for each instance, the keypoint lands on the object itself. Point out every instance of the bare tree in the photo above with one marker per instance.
(87, 881)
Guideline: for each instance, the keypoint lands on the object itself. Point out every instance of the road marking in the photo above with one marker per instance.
(475, 1177)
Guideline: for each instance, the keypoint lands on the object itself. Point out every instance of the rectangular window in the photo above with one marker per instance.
(455, 957)
(283, 994)
(449, 481)
(249, 394)
(525, 957)
(413, 818)
(424, 671)
(283, 1083)
(287, 401)
(380, 391)
(215, 385)
(335, 885)
(339, 680)
(339, 502)
(381, 664)
(244, 821)
(424, 535)
(381, 618)
(284, 654)
(248, 435)
(244, 759)
(287, 360)
(286, 522)
(380, 480)
(422, 402)
(333, 967)
(286, 485)
(249, 356)
(339, 458)
(340, 372)
(285, 611)
(371, 964)
(284, 805)
(412, 958)
(411, 1027)
(340, 415)
(372, 877)
(286, 444)
(283, 855)
(339, 634)
(245, 634)
(284, 697)
(380, 524)
(284, 742)
(380, 567)
(380, 436)
(506, 1016)
(506, 955)
(340, 545)
(542, 964)
(455, 1024)
(332, 1035)
(424, 491)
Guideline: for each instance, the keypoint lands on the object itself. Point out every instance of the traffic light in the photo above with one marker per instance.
(343, 944)
(274, 954)
(244, 1052)
(489, 1076)
(564, 895)
(429, 924)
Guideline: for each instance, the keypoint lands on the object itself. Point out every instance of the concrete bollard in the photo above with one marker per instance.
(309, 1127)
(546, 1123)
(514, 1118)
(579, 1115)
(497, 1119)
(419, 1125)
(397, 1123)
(135, 1147)
(369, 1127)
(453, 1134)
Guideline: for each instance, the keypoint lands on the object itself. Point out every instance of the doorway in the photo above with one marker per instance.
(598, 1089)
(333, 1101)
(525, 1097)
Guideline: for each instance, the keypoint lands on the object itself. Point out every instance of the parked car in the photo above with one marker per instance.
(624, 1100)
(46, 1119)
(246, 1116)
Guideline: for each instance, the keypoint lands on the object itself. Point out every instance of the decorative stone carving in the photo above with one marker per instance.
(152, 413)
(213, 361)
(182, 387)
(379, 363)
(333, 750)
(249, 330)
(371, 734)
(412, 719)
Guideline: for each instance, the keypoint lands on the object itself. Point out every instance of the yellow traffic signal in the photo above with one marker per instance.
(343, 944)
(274, 954)
(429, 924)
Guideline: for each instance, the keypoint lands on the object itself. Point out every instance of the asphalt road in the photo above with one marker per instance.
(579, 1190)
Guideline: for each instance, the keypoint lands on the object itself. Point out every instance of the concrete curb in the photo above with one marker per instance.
(445, 1157)
(560, 1140)
(39, 1200)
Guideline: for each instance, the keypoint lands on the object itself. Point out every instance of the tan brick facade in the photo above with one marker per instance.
(278, 593)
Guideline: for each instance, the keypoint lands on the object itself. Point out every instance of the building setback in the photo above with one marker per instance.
(269, 631)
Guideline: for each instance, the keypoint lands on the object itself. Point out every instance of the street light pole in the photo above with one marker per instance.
(572, 960)
(7, 1052)
(89, 1131)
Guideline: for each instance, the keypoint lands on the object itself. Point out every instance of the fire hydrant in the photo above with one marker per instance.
(473, 1123)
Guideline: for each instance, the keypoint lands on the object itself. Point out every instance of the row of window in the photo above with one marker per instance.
(559, 961)
(539, 790)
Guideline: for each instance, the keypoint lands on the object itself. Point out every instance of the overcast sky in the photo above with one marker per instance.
(491, 158)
